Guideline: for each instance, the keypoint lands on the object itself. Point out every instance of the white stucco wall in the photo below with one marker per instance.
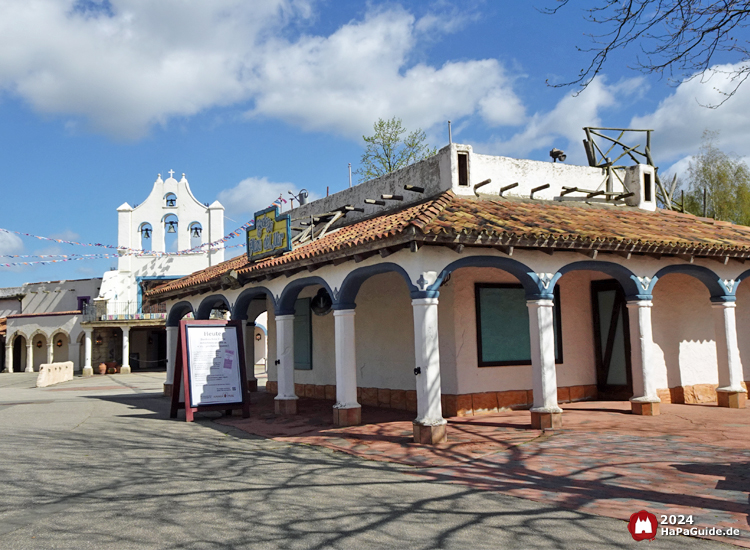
(52, 296)
(122, 285)
(743, 326)
(46, 328)
(578, 366)
(684, 335)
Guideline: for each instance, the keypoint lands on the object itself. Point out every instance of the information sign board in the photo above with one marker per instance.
(210, 360)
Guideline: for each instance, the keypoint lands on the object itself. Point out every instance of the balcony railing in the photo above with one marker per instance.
(122, 311)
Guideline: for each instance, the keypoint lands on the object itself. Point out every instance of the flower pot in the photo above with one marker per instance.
(102, 368)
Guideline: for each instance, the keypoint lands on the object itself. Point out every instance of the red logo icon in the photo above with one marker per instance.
(642, 525)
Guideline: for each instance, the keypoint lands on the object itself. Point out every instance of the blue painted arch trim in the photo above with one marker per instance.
(285, 304)
(627, 279)
(177, 312)
(535, 288)
(239, 311)
(714, 284)
(354, 280)
(209, 303)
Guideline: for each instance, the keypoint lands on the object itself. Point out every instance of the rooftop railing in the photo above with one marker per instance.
(122, 311)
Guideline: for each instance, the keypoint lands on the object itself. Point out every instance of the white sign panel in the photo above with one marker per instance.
(214, 365)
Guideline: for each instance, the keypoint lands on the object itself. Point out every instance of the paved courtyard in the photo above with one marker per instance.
(96, 463)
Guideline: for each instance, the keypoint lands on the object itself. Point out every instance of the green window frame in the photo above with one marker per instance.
(502, 318)
(303, 335)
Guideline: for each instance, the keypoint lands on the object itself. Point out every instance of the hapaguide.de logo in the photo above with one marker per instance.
(642, 525)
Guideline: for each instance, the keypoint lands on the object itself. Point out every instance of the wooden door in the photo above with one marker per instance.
(611, 341)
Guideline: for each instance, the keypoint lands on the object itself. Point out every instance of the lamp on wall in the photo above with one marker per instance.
(258, 337)
(59, 343)
(98, 339)
(39, 343)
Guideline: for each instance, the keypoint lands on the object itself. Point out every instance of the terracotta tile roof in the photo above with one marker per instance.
(448, 218)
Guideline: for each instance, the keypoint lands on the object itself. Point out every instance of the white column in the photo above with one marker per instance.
(172, 337)
(286, 400)
(427, 356)
(29, 356)
(545, 413)
(88, 370)
(50, 351)
(645, 399)
(248, 332)
(125, 369)
(346, 411)
(728, 355)
(9, 357)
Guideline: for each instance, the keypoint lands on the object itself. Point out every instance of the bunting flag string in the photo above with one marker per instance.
(69, 258)
(125, 251)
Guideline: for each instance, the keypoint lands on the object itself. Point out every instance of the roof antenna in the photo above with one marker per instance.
(350, 174)
(450, 136)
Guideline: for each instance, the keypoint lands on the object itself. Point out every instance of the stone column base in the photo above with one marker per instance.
(546, 420)
(430, 435)
(125, 369)
(87, 371)
(351, 416)
(285, 406)
(731, 399)
(644, 409)
(252, 385)
(167, 390)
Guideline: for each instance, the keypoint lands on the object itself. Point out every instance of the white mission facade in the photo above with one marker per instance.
(467, 283)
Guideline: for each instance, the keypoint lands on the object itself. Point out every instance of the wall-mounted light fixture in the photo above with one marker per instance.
(99, 340)
(59, 343)
(39, 343)
(258, 337)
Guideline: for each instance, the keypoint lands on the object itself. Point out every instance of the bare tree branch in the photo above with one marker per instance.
(682, 39)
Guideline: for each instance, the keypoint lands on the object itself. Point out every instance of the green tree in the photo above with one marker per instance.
(725, 179)
(387, 150)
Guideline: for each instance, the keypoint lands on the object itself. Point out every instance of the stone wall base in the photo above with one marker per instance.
(546, 420)
(430, 435)
(347, 417)
(644, 409)
(470, 404)
(731, 399)
(285, 406)
(690, 395)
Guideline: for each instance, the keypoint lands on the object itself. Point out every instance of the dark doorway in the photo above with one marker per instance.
(611, 341)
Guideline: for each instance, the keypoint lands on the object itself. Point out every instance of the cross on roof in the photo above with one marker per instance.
(171, 173)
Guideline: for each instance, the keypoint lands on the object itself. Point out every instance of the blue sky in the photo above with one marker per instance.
(251, 99)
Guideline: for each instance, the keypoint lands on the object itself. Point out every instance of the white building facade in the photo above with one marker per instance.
(167, 236)
(467, 283)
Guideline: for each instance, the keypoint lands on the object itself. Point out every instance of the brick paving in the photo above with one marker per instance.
(690, 460)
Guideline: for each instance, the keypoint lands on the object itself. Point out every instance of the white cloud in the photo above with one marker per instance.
(680, 119)
(562, 126)
(10, 243)
(123, 70)
(253, 194)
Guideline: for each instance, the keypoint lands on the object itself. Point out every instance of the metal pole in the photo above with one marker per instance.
(450, 135)
(705, 202)
(350, 174)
